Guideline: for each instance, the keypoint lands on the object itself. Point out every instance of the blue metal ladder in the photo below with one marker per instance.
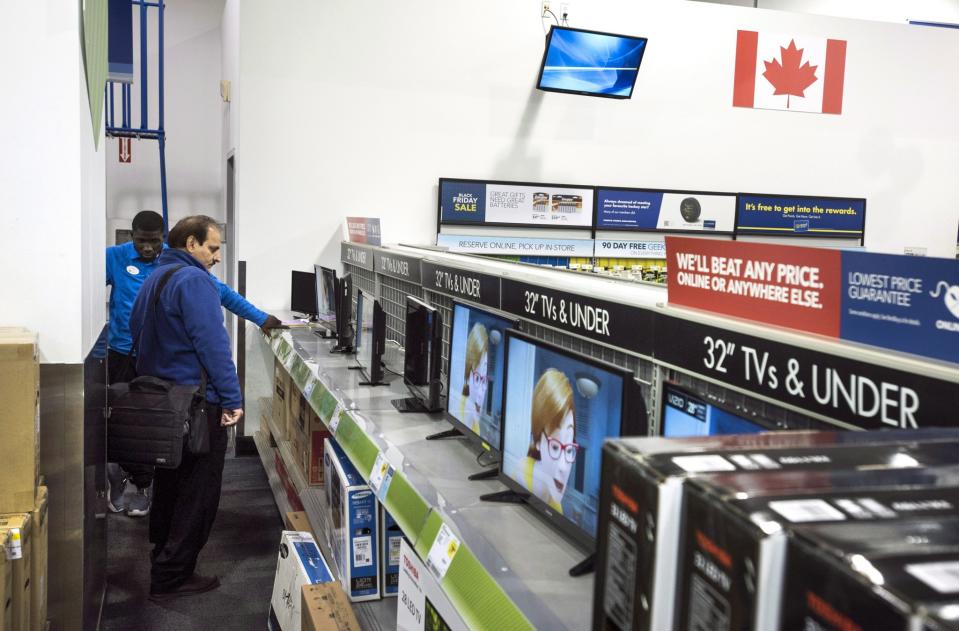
(126, 128)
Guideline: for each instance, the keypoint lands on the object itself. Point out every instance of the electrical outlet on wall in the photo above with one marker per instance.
(563, 10)
(545, 10)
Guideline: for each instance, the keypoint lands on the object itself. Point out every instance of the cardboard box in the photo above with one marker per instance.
(19, 420)
(11, 527)
(849, 583)
(733, 558)
(326, 608)
(391, 538)
(308, 445)
(6, 594)
(38, 569)
(282, 385)
(422, 604)
(296, 420)
(298, 563)
(298, 521)
(351, 526)
(291, 495)
(642, 492)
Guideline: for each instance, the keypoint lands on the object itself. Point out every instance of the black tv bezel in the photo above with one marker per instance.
(549, 39)
(632, 401)
(763, 424)
(321, 270)
(375, 370)
(344, 310)
(358, 325)
(435, 357)
(474, 438)
(293, 275)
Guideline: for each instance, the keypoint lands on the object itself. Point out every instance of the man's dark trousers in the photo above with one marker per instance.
(122, 368)
(185, 501)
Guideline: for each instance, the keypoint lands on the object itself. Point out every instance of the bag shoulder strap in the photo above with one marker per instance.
(163, 281)
(156, 301)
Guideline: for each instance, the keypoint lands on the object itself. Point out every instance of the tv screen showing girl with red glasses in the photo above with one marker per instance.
(477, 350)
(559, 408)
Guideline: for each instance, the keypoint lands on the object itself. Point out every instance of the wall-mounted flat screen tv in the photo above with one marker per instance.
(590, 63)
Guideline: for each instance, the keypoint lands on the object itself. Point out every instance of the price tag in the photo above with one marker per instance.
(378, 472)
(444, 548)
(310, 384)
(13, 547)
(335, 419)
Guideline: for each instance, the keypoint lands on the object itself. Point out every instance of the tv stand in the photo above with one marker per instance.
(409, 405)
(368, 380)
(489, 474)
(450, 433)
(584, 567)
(505, 497)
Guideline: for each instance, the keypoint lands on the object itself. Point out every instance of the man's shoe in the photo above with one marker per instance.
(139, 504)
(196, 584)
(116, 483)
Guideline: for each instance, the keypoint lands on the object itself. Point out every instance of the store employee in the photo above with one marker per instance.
(127, 266)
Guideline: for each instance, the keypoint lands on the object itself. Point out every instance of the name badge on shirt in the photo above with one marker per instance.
(132, 269)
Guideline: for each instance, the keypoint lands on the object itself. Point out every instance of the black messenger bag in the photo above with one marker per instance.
(148, 418)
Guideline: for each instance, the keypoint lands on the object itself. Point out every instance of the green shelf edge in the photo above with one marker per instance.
(478, 598)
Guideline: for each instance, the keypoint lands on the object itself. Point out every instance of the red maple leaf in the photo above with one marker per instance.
(790, 78)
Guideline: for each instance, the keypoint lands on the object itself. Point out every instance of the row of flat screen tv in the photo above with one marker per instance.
(543, 410)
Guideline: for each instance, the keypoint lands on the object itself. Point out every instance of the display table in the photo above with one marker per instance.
(511, 569)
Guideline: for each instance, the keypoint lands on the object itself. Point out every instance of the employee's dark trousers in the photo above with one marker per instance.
(121, 368)
(185, 502)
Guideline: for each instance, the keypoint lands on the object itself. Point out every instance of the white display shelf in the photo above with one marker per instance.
(511, 562)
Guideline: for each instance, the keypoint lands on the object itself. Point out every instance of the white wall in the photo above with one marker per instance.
(51, 184)
(357, 107)
(192, 120)
(900, 11)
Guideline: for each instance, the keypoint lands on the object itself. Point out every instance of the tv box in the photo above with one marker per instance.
(644, 481)
(352, 528)
(733, 558)
(900, 576)
(298, 563)
(390, 539)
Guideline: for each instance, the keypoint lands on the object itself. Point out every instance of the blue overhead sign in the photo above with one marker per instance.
(905, 303)
(791, 215)
(666, 211)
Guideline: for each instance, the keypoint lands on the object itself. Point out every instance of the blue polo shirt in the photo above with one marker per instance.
(126, 272)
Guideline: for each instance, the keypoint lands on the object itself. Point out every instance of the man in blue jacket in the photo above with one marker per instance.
(127, 267)
(179, 336)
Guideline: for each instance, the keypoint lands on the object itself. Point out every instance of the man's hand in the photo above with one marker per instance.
(271, 322)
(231, 417)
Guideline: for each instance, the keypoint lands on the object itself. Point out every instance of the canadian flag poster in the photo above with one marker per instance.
(786, 72)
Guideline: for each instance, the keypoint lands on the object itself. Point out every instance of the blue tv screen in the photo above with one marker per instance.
(686, 415)
(591, 63)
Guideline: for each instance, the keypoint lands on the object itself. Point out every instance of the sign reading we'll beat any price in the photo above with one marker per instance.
(792, 287)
